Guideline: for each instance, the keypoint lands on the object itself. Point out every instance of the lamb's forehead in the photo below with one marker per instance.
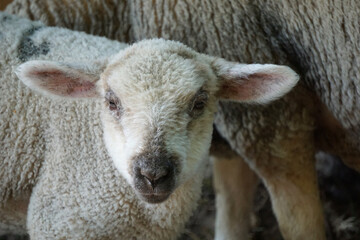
(158, 66)
(155, 46)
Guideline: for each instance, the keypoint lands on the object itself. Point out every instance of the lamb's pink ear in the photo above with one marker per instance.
(59, 79)
(254, 83)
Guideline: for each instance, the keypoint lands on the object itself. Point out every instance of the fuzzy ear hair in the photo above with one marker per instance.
(253, 83)
(58, 79)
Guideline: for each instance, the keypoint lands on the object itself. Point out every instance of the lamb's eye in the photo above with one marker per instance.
(112, 101)
(198, 103)
(112, 105)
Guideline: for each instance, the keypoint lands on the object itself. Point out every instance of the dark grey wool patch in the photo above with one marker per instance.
(5, 18)
(27, 48)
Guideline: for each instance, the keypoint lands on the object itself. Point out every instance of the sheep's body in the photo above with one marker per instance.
(318, 38)
(52, 150)
(98, 17)
(283, 32)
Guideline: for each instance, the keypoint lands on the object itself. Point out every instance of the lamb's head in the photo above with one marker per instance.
(159, 99)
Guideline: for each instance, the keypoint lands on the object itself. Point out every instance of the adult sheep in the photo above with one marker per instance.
(318, 38)
(156, 101)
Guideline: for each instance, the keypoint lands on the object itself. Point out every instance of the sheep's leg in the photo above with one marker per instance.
(278, 141)
(290, 178)
(235, 184)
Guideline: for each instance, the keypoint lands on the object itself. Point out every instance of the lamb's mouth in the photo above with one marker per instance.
(154, 197)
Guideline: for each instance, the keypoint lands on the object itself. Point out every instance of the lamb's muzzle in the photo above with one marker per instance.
(154, 177)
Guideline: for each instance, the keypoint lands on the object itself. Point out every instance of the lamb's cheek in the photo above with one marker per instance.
(199, 142)
(115, 144)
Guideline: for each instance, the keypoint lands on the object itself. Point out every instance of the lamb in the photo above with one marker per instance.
(279, 141)
(156, 102)
(57, 180)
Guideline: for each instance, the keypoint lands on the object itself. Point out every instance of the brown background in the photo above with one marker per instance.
(3, 4)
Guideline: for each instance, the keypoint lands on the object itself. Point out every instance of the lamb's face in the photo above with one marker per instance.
(159, 100)
(159, 104)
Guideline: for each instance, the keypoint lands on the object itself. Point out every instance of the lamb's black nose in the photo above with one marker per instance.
(155, 173)
(156, 176)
